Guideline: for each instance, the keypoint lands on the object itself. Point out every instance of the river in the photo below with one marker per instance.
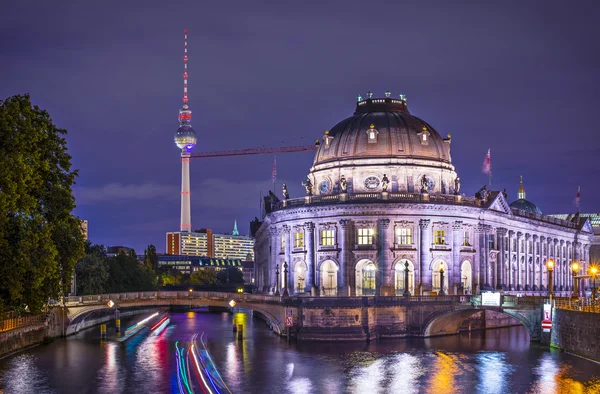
(496, 361)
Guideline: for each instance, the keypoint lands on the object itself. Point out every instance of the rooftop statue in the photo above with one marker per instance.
(457, 186)
(308, 186)
(424, 184)
(286, 195)
(343, 184)
(482, 193)
(384, 183)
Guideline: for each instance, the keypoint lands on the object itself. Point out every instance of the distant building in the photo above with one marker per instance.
(248, 271)
(189, 264)
(205, 243)
(595, 222)
(112, 251)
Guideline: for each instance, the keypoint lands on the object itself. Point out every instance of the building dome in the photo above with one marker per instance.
(185, 137)
(383, 128)
(382, 139)
(522, 203)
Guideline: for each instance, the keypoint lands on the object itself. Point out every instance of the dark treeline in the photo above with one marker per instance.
(98, 274)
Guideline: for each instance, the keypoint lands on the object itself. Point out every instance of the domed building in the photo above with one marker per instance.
(383, 214)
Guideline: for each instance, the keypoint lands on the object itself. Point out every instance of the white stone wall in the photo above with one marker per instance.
(490, 268)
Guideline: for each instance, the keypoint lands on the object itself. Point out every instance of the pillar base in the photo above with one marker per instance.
(314, 291)
(387, 290)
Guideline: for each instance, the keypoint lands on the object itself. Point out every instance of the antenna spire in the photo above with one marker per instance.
(185, 74)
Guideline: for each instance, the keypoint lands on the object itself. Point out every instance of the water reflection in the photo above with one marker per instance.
(498, 361)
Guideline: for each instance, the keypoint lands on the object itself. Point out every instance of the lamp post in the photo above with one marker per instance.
(594, 271)
(442, 279)
(574, 269)
(550, 265)
(406, 292)
(277, 280)
(286, 293)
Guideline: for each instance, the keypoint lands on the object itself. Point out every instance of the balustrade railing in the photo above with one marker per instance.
(10, 320)
(580, 305)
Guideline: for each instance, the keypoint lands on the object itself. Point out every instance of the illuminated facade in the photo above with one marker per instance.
(190, 264)
(383, 214)
(205, 243)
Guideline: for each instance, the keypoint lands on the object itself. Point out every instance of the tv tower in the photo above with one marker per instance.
(185, 139)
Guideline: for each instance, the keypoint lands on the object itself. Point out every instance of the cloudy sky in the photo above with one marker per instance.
(521, 78)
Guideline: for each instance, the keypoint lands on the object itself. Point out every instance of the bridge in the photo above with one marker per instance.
(318, 318)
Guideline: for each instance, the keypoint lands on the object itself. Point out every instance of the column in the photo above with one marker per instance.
(275, 244)
(310, 257)
(537, 250)
(500, 236)
(454, 276)
(568, 271)
(424, 246)
(345, 280)
(287, 233)
(556, 260)
(577, 259)
(386, 284)
(510, 285)
(481, 261)
(527, 285)
(519, 266)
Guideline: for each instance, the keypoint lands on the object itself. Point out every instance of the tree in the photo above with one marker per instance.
(96, 249)
(40, 239)
(203, 277)
(92, 275)
(171, 278)
(126, 274)
(150, 258)
(231, 275)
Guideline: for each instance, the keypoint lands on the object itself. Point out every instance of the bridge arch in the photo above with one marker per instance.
(448, 322)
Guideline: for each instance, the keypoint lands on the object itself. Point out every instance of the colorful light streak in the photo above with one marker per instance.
(159, 323)
(141, 322)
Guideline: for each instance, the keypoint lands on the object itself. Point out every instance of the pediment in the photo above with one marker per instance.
(499, 204)
(587, 226)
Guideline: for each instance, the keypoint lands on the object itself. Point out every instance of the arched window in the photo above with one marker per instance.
(300, 277)
(466, 276)
(435, 276)
(329, 271)
(400, 271)
(366, 273)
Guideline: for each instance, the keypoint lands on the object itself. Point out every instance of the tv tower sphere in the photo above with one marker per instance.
(185, 137)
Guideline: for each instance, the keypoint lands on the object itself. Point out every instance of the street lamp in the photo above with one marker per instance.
(594, 271)
(406, 292)
(550, 265)
(277, 280)
(574, 269)
(285, 280)
(442, 279)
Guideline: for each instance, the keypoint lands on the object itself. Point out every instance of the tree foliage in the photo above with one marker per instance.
(40, 239)
(231, 275)
(92, 275)
(151, 259)
(126, 274)
(203, 277)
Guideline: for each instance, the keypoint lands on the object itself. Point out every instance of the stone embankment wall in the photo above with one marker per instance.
(576, 332)
(20, 338)
(489, 319)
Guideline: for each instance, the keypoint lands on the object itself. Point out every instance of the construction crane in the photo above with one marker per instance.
(256, 151)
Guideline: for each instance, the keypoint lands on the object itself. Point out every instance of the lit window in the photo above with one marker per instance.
(299, 240)
(466, 241)
(404, 236)
(423, 136)
(372, 134)
(327, 238)
(365, 236)
(439, 237)
(283, 242)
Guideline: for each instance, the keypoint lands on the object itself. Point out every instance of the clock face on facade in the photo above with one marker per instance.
(372, 182)
(324, 187)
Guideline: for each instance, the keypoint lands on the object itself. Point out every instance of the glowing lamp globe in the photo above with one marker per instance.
(185, 137)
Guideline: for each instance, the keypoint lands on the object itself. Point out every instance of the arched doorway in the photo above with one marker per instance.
(300, 271)
(435, 276)
(366, 273)
(329, 272)
(399, 269)
(466, 276)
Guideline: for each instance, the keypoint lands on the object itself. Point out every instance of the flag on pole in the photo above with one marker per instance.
(274, 171)
(487, 164)
(578, 197)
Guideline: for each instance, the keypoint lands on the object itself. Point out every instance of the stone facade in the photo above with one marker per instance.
(576, 332)
(383, 207)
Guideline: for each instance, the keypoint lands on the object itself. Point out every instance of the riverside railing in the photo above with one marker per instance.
(580, 305)
(10, 320)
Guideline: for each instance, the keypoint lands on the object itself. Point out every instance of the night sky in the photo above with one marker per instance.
(519, 77)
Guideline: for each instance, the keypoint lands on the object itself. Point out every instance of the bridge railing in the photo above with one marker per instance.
(10, 320)
(580, 305)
